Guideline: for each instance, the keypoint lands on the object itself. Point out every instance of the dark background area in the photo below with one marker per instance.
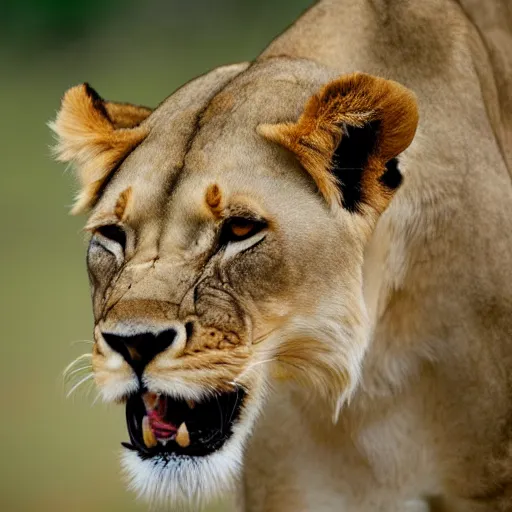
(61, 454)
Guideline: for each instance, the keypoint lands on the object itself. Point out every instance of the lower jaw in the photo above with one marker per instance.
(189, 477)
(177, 480)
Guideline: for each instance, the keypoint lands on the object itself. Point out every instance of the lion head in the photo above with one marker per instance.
(227, 234)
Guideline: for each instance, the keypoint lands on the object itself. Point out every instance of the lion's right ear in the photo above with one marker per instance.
(348, 137)
(96, 136)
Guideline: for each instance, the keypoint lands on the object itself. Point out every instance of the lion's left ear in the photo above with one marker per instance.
(96, 135)
(348, 136)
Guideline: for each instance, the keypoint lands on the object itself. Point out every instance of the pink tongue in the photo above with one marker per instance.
(161, 428)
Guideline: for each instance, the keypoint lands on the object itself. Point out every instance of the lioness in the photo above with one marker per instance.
(273, 305)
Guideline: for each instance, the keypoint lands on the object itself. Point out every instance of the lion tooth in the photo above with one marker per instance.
(182, 436)
(147, 433)
(191, 404)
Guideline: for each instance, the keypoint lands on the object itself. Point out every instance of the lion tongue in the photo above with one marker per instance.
(156, 408)
(161, 428)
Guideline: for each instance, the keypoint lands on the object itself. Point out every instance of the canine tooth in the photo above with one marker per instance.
(182, 436)
(147, 433)
(191, 403)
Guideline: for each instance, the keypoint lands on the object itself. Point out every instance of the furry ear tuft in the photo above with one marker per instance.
(96, 136)
(346, 136)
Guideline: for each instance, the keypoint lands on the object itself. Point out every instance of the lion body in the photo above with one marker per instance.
(431, 422)
(427, 360)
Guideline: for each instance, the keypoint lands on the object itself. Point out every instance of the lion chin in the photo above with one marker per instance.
(184, 481)
(184, 453)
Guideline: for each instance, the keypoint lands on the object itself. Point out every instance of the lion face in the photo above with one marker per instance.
(226, 253)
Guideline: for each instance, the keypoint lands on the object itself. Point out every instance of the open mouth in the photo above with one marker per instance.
(160, 425)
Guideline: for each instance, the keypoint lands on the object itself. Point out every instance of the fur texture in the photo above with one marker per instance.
(352, 101)
(95, 136)
(389, 311)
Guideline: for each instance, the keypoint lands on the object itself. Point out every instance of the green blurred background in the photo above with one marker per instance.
(58, 454)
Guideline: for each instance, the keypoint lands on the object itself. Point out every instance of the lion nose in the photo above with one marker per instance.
(139, 349)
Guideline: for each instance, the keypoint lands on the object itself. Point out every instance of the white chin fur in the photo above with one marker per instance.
(193, 482)
(185, 483)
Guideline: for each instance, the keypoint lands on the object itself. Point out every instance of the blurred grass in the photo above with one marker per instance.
(61, 455)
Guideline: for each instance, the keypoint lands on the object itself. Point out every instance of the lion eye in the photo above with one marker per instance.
(113, 232)
(240, 228)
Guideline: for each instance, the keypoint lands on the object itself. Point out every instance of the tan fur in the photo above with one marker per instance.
(213, 199)
(92, 140)
(353, 100)
(122, 203)
(374, 344)
(126, 115)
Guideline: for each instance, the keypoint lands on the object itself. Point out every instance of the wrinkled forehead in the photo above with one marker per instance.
(149, 171)
(205, 135)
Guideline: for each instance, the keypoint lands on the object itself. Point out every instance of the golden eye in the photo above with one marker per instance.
(239, 228)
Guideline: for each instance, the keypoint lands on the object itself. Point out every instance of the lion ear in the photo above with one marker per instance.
(96, 136)
(348, 136)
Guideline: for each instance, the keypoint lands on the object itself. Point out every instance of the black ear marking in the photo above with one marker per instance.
(392, 177)
(97, 100)
(350, 159)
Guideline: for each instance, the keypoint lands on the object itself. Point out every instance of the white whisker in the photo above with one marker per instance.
(96, 398)
(234, 407)
(251, 367)
(79, 383)
(74, 362)
(89, 391)
(68, 375)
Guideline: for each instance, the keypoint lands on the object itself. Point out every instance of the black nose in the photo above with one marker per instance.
(139, 349)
